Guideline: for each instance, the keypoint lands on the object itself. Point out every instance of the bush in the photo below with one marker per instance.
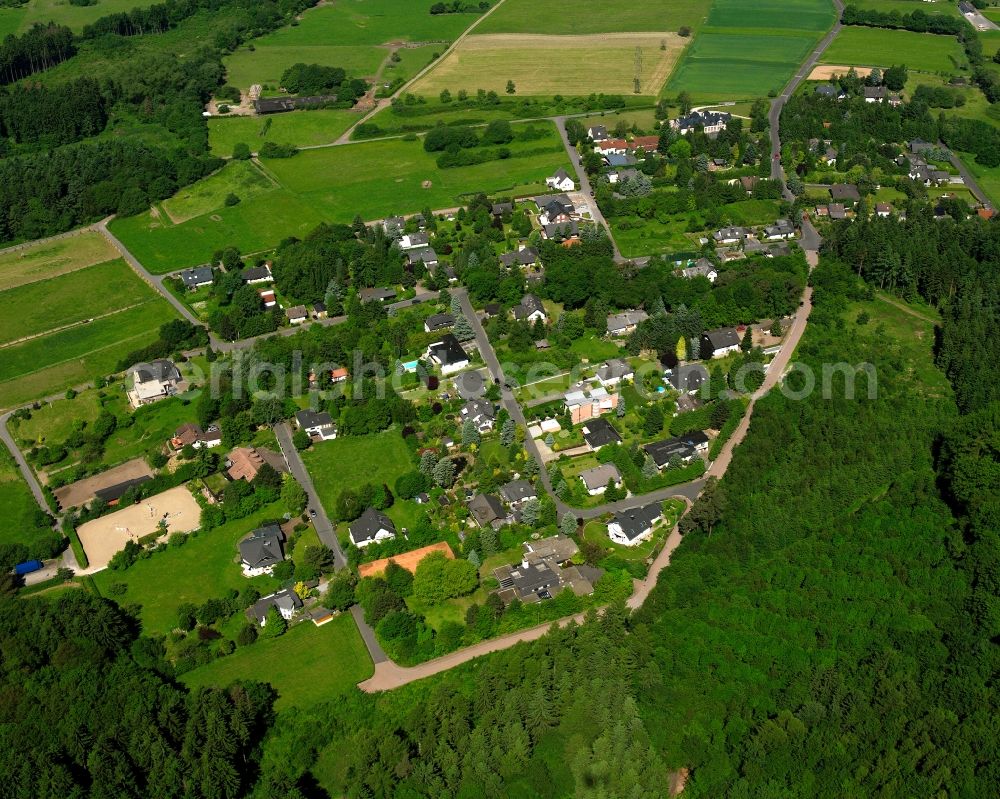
(241, 151)
(231, 200)
(247, 635)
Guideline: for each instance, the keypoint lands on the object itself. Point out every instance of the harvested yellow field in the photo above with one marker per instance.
(53, 257)
(828, 72)
(538, 64)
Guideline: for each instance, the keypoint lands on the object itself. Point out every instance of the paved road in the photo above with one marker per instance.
(774, 116)
(980, 22)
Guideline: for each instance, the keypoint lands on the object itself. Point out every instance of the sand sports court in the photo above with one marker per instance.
(102, 538)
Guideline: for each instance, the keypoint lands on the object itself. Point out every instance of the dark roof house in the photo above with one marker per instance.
(600, 432)
(262, 550)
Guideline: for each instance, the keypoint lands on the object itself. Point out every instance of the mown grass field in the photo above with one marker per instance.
(242, 178)
(52, 258)
(15, 20)
(748, 48)
(17, 505)
(347, 34)
(614, 16)
(987, 177)
(73, 297)
(373, 179)
(52, 363)
(541, 64)
(301, 128)
(925, 52)
(307, 664)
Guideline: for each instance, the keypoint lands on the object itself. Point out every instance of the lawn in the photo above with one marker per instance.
(70, 298)
(54, 362)
(333, 184)
(17, 505)
(306, 665)
(612, 16)
(925, 52)
(541, 64)
(637, 237)
(301, 128)
(352, 461)
(986, 176)
(242, 178)
(56, 420)
(643, 119)
(49, 259)
(204, 566)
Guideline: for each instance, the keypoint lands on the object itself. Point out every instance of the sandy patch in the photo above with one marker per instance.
(408, 560)
(102, 538)
(77, 494)
(828, 71)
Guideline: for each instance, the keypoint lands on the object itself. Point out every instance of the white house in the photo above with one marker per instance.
(612, 372)
(560, 181)
(262, 551)
(317, 424)
(712, 121)
(448, 355)
(701, 268)
(286, 601)
(297, 315)
(529, 310)
(481, 412)
(371, 527)
(152, 382)
(633, 526)
(596, 480)
(721, 341)
(413, 240)
(781, 229)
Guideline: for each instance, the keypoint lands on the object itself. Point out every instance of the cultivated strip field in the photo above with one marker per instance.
(52, 258)
(925, 52)
(300, 128)
(577, 17)
(548, 65)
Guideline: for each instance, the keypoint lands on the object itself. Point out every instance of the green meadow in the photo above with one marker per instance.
(301, 128)
(877, 47)
(17, 20)
(242, 178)
(17, 505)
(566, 17)
(802, 15)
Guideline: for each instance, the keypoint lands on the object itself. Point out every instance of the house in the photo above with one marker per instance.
(412, 241)
(297, 314)
(113, 493)
(530, 309)
(560, 181)
(633, 526)
(621, 175)
(438, 321)
(316, 424)
(555, 212)
(152, 382)
(339, 375)
(371, 527)
(836, 211)
(583, 405)
(244, 463)
(599, 432)
(319, 310)
(596, 480)
(687, 378)
(517, 492)
(448, 354)
(277, 105)
(711, 121)
(750, 247)
(262, 551)
(618, 160)
(831, 91)
(492, 309)
(268, 297)
(196, 278)
(481, 412)
(597, 133)
(423, 255)
(675, 450)
(526, 256)
(883, 209)
(875, 94)
(487, 510)
(940, 177)
(608, 146)
(781, 229)
(647, 144)
(285, 600)
(720, 342)
(749, 183)
(563, 231)
(701, 268)
(845, 192)
(612, 372)
(393, 224)
(829, 156)
(545, 570)
(920, 146)
(502, 209)
(730, 235)
(621, 324)
(192, 435)
(257, 274)
(377, 294)
(778, 250)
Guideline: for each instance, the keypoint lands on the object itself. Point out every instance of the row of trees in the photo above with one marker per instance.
(39, 48)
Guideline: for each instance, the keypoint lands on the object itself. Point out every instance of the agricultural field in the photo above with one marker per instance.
(565, 17)
(74, 331)
(923, 52)
(242, 178)
(308, 664)
(300, 128)
(334, 184)
(18, 20)
(542, 64)
(349, 34)
(747, 49)
(907, 6)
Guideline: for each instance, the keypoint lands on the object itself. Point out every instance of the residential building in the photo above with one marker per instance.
(481, 412)
(257, 274)
(262, 550)
(712, 121)
(412, 241)
(297, 314)
(845, 192)
(781, 229)
(617, 176)
(545, 569)
(393, 224)
(488, 511)
(319, 310)
(730, 235)
(555, 212)
(197, 277)
(339, 375)
(244, 463)
(836, 211)
(423, 255)
(192, 435)
(597, 133)
(612, 372)
(583, 405)
(608, 146)
(596, 480)
(560, 181)
(317, 424)
(502, 209)
(563, 231)
(448, 355)
(875, 94)
(687, 378)
(599, 433)
(618, 160)
(831, 91)
(525, 256)
(268, 297)
(530, 309)
(720, 342)
(371, 527)
(152, 382)
(286, 601)
(647, 144)
(377, 294)
(701, 268)
(438, 321)
(621, 324)
(517, 492)
(883, 209)
(682, 448)
(631, 527)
